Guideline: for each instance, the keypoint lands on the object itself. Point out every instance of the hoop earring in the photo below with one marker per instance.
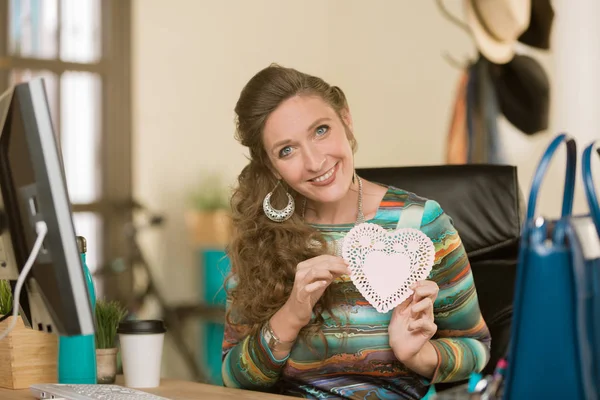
(278, 215)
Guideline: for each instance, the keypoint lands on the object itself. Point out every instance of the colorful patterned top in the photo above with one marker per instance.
(359, 363)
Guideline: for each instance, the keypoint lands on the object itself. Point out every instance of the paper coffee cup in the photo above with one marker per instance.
(141, 352)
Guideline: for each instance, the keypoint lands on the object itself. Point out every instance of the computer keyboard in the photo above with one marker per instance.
(90, 392)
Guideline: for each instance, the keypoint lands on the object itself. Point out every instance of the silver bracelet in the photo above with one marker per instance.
(274, 343)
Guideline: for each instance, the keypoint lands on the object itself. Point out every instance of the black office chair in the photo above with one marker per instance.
(484, 201)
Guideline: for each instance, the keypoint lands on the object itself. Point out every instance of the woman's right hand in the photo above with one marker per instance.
(313, 276)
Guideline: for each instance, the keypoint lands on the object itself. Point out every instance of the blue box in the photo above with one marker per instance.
(215, 266)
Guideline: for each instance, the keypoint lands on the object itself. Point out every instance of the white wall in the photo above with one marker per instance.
(191, 59)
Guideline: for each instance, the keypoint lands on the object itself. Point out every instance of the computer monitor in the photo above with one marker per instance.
(33, 188)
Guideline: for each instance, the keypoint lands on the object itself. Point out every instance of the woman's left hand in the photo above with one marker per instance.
(411, 325)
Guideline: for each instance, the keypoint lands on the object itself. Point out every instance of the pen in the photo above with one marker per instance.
(498, 377)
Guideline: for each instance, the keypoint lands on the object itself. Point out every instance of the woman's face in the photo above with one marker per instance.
(308, 146)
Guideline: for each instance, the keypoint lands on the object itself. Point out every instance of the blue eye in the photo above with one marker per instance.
(321, 130)
(285, 151)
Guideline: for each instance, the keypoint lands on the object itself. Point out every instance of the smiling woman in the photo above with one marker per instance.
(296, 324)
(310, 150)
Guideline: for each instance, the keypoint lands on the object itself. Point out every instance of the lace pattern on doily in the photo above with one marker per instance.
(384, 264)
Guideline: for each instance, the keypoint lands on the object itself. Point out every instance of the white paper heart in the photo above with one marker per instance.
(384, 264)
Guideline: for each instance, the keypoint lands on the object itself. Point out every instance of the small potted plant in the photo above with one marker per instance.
(5, 298)
(27, 356)
(108, 316)
(208, 218)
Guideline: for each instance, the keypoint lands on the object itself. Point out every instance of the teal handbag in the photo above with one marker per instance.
(593, 255)
(551, 350)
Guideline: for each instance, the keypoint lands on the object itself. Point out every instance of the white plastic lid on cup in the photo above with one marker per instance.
(141, 352)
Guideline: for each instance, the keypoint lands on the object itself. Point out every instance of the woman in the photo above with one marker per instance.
(296, 324)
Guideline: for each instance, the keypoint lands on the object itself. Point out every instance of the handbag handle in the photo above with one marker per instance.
(569, 191)
(588, 184)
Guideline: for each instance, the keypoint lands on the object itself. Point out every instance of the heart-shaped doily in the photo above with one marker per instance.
(385, 264)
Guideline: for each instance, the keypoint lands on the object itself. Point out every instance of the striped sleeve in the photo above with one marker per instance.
(248, 363)
(462, 341)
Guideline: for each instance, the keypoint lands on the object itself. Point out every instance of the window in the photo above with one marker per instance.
(81, 50)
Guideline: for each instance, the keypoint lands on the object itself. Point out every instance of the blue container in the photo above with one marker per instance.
(215, 265)
(77, 354)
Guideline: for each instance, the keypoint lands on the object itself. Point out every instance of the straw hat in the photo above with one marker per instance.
(496, 26)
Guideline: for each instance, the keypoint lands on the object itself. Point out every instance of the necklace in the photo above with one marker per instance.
(360, 218)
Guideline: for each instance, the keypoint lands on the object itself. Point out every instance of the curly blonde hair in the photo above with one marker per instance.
(264, 254)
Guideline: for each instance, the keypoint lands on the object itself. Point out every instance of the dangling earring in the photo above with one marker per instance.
(278, 215)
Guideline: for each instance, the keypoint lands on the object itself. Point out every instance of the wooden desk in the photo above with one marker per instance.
(175, 390)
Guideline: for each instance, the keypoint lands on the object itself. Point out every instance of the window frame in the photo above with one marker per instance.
(115, 204)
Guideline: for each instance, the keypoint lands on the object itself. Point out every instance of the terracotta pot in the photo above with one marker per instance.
(210, 228)
(106, 365)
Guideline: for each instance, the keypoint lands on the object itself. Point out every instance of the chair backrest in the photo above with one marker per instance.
(485, 204)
